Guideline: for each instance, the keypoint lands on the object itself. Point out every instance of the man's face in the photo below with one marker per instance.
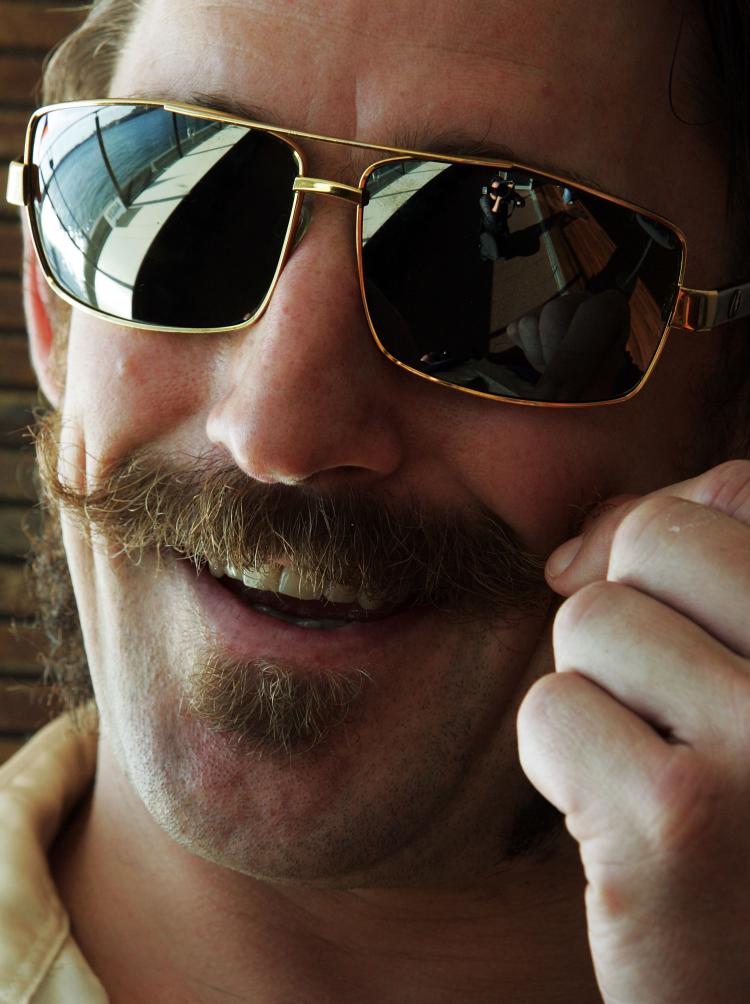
(424, 779)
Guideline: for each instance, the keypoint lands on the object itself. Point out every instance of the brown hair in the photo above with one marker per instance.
(83, 64)
(728, 24)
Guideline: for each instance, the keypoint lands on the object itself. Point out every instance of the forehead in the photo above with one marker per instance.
(563, 83)
(359, 68)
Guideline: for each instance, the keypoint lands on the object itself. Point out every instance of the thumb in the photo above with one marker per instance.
(586, 556)
(585, 559)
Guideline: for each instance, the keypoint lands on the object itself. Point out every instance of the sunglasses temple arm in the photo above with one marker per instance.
(705, 309)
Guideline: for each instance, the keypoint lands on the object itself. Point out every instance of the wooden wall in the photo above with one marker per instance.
(28, 29)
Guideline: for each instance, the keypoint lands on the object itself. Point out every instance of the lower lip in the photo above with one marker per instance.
(247, 634)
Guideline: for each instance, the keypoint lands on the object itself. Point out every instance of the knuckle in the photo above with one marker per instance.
(555, 313)
(542, 703)
(727, 487)
(527, 325)
(644, 529)
(575, 616)
(642, 518)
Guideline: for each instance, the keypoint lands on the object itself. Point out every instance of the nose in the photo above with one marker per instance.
(306, 395)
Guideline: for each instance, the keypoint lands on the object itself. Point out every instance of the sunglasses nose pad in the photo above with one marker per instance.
(302, 224)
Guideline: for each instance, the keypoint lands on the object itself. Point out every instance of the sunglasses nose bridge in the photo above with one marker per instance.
(323, 186)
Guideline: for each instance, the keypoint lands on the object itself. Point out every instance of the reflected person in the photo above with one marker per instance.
(497, 203)
(577, 343)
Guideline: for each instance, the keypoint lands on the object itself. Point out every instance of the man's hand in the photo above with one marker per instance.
(642, 738)
(577, 343)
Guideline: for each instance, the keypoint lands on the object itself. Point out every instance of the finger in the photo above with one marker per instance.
(512, 330)
(528, 329)
(554, 321)
(656, 662)
(725, 488)
(600, 325)
(694, 559)
(574, 739)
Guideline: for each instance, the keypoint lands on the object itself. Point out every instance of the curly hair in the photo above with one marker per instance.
(83, 63)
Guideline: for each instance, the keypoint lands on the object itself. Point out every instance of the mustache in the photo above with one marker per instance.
(463, 562)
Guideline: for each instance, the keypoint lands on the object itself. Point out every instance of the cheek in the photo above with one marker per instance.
(127, 388)
(540, 469)
(537, 475)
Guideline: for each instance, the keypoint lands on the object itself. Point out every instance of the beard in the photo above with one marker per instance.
(470, 566)
(268, 708)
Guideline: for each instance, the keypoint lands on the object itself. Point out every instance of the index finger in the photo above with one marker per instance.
(725, 489)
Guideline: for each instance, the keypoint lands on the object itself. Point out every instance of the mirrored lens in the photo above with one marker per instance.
(513, 284)
(157, 217)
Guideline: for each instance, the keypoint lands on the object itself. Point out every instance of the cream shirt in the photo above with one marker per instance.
(39, 961)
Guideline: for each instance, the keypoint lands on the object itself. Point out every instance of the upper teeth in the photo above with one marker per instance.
(290, 582)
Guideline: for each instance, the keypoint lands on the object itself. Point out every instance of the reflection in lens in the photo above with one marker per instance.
(158, 217)
(513, 284)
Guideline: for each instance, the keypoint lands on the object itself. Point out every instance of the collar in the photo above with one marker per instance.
(39, 786)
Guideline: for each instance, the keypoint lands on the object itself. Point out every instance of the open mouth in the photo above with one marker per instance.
(282, 593)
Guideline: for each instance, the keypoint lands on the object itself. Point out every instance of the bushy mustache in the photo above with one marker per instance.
(459, 562)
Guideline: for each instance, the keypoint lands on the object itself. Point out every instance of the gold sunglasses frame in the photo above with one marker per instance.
(693, 310)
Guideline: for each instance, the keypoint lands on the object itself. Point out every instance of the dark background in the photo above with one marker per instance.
(28, 29)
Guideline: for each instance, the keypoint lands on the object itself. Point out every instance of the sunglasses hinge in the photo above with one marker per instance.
(19, 187)
(705, 309)
(691, 310)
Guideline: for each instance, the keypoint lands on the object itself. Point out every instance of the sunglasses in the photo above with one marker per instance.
(538, 291)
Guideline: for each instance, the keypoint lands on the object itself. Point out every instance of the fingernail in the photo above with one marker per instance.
(561, 559)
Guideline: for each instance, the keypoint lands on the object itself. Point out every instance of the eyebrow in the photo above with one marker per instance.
(449, 143)
(460, 144)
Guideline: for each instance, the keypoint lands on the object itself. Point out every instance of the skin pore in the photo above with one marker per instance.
(375, 870)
